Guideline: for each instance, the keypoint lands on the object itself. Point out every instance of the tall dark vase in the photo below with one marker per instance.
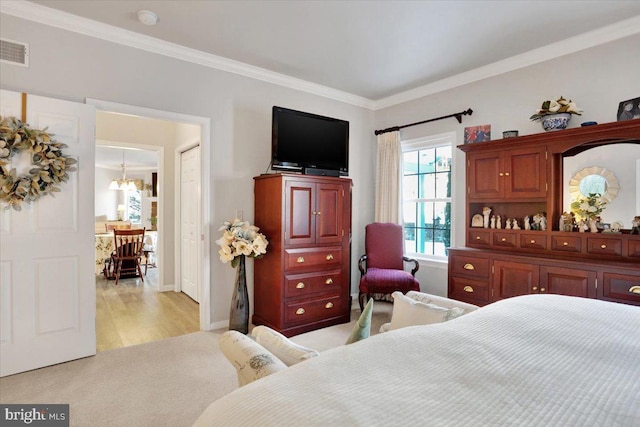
(239, 314)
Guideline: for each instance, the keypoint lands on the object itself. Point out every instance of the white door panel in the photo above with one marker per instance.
(189, 220)
(47, 283)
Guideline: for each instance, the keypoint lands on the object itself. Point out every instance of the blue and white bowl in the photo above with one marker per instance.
(555, 121)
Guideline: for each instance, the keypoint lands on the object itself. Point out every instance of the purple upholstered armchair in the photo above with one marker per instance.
(382, 266)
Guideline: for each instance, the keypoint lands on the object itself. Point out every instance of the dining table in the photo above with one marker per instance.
(104, 245)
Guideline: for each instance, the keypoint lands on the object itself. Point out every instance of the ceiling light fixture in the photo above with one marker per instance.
(147, 17)
(123, 183)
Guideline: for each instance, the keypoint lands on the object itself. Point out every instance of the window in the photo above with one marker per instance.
(426, 194)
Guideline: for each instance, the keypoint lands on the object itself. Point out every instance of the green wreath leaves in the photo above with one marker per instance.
(50, 165)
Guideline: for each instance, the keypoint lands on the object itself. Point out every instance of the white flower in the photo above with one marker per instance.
(554, 106)
(239, 238)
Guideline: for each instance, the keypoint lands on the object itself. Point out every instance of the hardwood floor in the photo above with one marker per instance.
(134, 313)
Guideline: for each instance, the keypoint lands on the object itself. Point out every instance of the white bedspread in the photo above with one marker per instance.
(537, 360)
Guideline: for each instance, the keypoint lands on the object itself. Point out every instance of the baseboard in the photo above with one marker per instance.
(219, 325)
(166, 288)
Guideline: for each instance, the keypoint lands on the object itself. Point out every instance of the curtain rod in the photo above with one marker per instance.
(458, 117)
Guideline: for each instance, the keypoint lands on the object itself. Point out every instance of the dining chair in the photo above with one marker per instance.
(129, 245)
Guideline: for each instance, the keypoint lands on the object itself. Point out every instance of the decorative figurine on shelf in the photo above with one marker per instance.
(507, 225)
(493, 221)
(514, 224)
(635, 225)
(499, 222)
(583, 226)
(543, 223)
(477, 221)
(616, 227)
(566, 222)
(527, 224)
(486, 211)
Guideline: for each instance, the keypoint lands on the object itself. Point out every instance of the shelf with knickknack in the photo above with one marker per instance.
(522, 178)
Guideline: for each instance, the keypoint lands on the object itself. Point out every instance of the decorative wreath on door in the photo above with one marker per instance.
(50, 166)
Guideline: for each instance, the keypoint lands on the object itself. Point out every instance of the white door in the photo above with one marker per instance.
(189, 220)
(47, 283)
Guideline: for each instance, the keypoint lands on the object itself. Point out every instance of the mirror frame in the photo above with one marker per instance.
(612, 183)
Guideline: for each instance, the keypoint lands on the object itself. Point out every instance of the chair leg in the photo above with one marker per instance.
(118, 267)
(140, 271)
(361, 299)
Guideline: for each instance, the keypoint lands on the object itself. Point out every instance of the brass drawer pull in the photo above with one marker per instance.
(300, 260)
(300, 311)
(300, 285)
(535, 288)
(328, 305)
(329, 257)
(634, 289)
(506, 174)
(467, 289)
(543, 289)
(329, 281)
(504, 239)
(533, 241)
(469, 267)
(501, 174)
(565, 244)
(477, 237)
(603, 246)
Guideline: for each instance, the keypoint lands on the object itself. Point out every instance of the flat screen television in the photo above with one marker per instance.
(309, 143)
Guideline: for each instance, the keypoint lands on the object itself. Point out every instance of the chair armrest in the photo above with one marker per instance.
(362, 265)
(416, 266)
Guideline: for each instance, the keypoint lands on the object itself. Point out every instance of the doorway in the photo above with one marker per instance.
(170, 248)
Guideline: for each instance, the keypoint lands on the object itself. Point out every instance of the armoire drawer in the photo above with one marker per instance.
(533, 241)
(604, 246)
(471, 291)
(479, 237)
(308, 259)
(504, 239)
(566, 243)
(299, 285)
(314, 310)
(470, 266)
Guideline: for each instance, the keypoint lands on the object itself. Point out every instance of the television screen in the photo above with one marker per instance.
(308, 141)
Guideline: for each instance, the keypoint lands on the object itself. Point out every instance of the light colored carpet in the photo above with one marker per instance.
(163, 383)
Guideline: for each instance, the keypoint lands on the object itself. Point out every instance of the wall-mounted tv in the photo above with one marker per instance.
(309, 143)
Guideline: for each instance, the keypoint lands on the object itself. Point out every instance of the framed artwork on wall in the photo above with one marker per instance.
(629, 109)
(474, 134)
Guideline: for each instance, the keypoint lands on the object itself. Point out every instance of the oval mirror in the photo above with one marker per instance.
(594, 180)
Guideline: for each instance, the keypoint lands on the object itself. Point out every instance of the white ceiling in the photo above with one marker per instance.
(371, 49)
(110, 157)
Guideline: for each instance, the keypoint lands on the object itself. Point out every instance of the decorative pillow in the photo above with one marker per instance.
(409, 312)
(282, 347)
(362, 328)
(251, 360)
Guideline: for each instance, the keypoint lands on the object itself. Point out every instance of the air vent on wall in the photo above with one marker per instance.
(13, 52)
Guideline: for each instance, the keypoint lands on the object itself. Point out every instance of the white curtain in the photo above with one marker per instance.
(388, 179)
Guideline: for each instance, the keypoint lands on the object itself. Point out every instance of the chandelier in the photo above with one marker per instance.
(122, 183)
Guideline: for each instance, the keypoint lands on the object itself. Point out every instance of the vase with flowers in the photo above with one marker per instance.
(555, 114)
(588, 209)
(240, 240)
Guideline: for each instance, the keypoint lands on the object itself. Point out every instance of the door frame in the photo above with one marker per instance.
(160, 150)
(205, 171)
(177, 213)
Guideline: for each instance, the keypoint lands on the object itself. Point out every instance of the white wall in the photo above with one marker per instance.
(595, 78)
(239, 108)
(106, 201)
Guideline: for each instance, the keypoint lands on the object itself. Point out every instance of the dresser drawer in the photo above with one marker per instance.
(470, 266)
(314, 310)
(308, 259)
(634, 248)
(504, 239)
(604, 246)
(533, 241)
(479, 237)
(623, 287)
(299, 285)
(566, 243)
(471, 291)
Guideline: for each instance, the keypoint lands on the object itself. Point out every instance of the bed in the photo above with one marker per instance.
(540, 360)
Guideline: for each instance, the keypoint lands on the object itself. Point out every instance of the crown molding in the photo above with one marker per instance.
(603, 35)
(66, 21)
